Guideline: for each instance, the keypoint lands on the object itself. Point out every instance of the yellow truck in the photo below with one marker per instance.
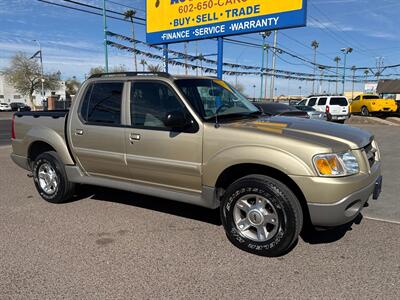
(372, 104)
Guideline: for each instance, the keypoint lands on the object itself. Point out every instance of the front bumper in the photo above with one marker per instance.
(336, 201)
(343, 211)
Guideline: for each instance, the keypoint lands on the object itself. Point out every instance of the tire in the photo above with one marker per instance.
(51, 179)
(280, 214)
(365, 111)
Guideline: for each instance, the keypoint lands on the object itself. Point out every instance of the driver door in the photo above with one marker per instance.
(156, 154)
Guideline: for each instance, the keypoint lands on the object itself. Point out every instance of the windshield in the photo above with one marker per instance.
(212, 96)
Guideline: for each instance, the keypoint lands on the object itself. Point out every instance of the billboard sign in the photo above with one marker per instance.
(171, 21)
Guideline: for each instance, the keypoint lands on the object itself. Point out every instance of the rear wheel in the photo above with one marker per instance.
(261, 215)
(364, 111)
(51, 179)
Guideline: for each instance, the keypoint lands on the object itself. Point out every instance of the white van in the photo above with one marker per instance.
(335, 107)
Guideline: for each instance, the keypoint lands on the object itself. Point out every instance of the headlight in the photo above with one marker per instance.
(333, 165)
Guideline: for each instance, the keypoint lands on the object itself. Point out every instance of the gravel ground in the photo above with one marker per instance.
(117, 245)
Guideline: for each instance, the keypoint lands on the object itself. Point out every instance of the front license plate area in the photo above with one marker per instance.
(378, 188)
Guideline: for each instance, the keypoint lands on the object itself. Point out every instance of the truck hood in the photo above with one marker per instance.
(355, 138)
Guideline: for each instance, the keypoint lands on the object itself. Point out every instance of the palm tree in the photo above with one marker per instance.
(337, 60)
(143, 63)
(366, 72)
(130, 15)
(154, 68)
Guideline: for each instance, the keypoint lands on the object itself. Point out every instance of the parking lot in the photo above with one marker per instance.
(120, 245)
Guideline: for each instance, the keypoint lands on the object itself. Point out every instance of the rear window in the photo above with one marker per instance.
(338, 101)
(102, 103)
(371, 97)
(322, 101)
(312, 101)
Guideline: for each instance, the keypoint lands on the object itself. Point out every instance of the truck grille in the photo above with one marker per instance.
(370, 151)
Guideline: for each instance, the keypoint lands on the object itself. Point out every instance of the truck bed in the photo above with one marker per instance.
(55, 120)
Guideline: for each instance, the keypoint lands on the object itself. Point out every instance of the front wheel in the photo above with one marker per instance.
(51, 179)
(261, 215)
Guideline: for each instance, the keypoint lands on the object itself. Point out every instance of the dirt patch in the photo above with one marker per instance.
(372, 121)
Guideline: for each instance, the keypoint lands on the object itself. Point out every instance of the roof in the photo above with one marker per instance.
(388, 86)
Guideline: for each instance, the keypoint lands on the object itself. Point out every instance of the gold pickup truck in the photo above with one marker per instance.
(372, 104)
(197, 140)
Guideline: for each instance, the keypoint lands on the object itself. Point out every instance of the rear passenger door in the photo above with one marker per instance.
(96, 131)
(312, 101)
(321, 104)
(156, 154)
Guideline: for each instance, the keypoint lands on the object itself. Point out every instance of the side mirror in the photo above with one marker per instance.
(176, 120)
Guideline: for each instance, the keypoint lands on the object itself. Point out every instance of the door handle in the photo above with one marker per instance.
(134, 137)
(79, 131)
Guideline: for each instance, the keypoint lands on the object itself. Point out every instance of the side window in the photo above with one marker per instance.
(322, 101)
(312, 101)
(151, 102)
(102, 103)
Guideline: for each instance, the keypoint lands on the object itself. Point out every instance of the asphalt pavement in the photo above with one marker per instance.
(118, 245)
(5, 132)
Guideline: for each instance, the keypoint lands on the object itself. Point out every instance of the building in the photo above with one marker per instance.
(389, 88)
(8, 94)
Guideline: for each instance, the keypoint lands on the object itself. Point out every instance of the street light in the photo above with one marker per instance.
(314, 45)
(41, 67)
(254, 95)
(345, 52)
(300, 91)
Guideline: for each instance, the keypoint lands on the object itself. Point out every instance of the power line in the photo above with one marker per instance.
(127, 6)
(99, 8)
(84, 10)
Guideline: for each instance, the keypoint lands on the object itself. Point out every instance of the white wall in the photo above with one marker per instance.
(8, 94)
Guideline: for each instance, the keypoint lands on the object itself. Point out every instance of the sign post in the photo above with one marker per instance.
(174, 21)
(220, 57)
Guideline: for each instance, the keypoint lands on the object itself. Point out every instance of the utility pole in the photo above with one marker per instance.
(264, 35)
(337, 60)
(197, 61)
(273, 65)
(314, 45)
(105, 37)
(266, 70)
(300, 90)
(321, 68)
(41, 68)
(345, 52)
(254, 94)
(185, 47)
(353, 68)
(379, 67)
(366, 72)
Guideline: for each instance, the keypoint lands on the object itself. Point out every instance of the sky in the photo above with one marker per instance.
(72, 41)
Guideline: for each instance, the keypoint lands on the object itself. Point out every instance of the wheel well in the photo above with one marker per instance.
(235, 172)
(38, 148)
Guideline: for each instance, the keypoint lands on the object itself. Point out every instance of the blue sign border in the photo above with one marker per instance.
(290, 19)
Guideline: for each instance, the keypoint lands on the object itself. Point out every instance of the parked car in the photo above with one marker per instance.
(372, 104)
(19, 106)
(152, 133)
(5, 107)
(312, 113)
(335, 107)
(279, 109)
